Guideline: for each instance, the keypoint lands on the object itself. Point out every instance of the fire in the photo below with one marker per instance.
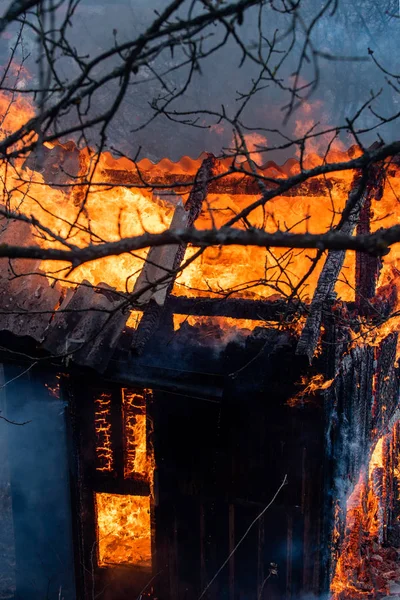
(104, 214)
(310, 386)
(93, 213)
(139, 461)
(123, 521)
(102, 421)
(84, 214)
(15, 110)
(102, 208)
(123, 530)
(223, 327)
(364, 526)
(259, 273)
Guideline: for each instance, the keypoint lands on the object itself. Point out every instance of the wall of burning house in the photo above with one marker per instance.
(218, 462)
(361, 483)
(220, 453)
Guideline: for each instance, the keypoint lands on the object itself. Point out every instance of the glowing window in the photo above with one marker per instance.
(123, 530)
(138, 454)
(102, 422)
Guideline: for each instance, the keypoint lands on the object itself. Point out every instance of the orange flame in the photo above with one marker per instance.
(364, 525)
(102, 422)
(107, 213)
(310, 386)
(139, 460)
(123, 530)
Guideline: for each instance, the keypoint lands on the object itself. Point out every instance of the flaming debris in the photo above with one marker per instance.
(310, 386)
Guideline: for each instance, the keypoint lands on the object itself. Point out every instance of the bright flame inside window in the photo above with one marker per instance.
(123, 530)
(102, 421)
(138, 455)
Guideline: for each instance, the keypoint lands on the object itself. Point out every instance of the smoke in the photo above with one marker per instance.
(39, 489)
(350, 33)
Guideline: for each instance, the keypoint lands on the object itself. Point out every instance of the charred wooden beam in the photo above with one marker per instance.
(347, 430)
(152, 315)
(362, 188)
(154, 281)
(367, 266)
(229, 184)
(147, 326)
(236, 308)
(387, 382)
(204, 386)
(119, 485)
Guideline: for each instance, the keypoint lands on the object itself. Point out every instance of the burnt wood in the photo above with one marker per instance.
(152, 315)
(87, 326)
(361, 407)
(387, 384)
(190, 383)
(237, 308)
(147, 326)
(361, 190)
(348, 426)
(156, 276)
(229, 184)
(367, 266)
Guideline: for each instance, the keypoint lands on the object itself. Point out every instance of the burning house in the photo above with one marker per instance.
(201, 432)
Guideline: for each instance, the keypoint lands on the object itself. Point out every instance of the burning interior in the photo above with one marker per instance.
(187, 393)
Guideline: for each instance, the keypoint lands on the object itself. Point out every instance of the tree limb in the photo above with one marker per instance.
(377, 244)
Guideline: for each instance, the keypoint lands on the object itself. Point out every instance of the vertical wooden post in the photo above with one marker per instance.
(231, 549)
(367, 266)
(154, 311)
(117, 433)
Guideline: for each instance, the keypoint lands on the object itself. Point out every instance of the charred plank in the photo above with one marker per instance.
(362, 188)
(367, 266)
(153, 313)
(87, 326)
(236, 308)
(229, 184)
